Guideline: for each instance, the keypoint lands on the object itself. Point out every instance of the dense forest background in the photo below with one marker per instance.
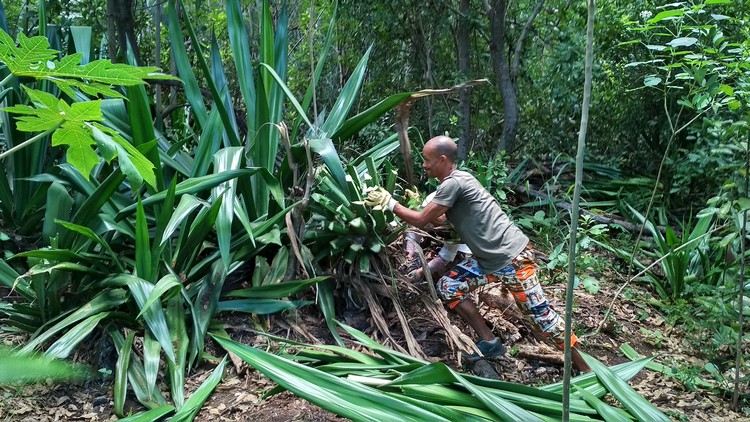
(167, 163)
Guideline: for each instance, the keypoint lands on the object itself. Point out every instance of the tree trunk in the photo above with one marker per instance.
(157, 62)
(502, 74)
(121, 29)
(111, 32)
(462, 47)
(126, 28)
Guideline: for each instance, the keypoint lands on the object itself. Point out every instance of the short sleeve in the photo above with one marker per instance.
(446, 193)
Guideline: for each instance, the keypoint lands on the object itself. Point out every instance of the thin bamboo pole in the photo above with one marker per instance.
(741, 293)
(576, 200)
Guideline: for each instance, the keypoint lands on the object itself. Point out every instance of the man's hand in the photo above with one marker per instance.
(381, 197)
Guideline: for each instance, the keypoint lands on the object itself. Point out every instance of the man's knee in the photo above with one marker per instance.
(449, 291)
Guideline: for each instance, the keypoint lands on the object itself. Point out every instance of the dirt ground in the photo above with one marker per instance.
(239, 396)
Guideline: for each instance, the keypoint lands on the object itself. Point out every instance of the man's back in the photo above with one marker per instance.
(480, 221)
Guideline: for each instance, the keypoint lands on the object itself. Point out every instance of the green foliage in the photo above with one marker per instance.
(356, 385)
(694, 56)
(77, 127)
(33, 58)
(78, 124)
(680, 255)
(493, 173)
(16, 369)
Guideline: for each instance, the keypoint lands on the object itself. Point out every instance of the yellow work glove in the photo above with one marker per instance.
(381, 197)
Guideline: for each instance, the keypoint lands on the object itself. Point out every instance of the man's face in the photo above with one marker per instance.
(432, 161)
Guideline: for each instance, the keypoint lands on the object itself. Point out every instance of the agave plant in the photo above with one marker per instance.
(683, 258)
(147, 265)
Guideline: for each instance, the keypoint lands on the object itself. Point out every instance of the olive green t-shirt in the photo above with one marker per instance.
(479, 221)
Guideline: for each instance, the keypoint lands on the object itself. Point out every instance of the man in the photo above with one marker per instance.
(501, 252)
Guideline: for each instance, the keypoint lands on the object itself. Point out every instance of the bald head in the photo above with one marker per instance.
(443, 145)
(439, 155)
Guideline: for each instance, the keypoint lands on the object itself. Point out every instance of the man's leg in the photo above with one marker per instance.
(468, 311)
(411, 244)
(438, 264)
(521, 279)
(453, 288)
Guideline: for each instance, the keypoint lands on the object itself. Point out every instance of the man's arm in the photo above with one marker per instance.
(420, 219)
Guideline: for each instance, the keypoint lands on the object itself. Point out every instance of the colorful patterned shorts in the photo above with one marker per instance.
(519, 277)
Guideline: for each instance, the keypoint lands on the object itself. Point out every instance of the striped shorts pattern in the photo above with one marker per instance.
(520, 278)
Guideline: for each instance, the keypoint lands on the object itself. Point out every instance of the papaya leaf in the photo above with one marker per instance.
(76, 125)
(34, 58)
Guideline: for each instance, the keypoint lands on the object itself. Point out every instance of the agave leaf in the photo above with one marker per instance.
(389, 354)
(260, 306)
(327, 306)
(106, 300)
(121, 373)
(321, 58)
(278, 290)
(65, 344)
(178, 334)
(87, 232)
(12, 280)
(196, 235)
(225, 160)
(154, 414)
(238, 39)
(184, 209)
(196, 400)
(347, 368)
(604, 410)
(203, 307)
(356, 123)
(590, 382)
(151, 361)
(503, 408)
(142, 245)
(59, 206)
(153, 314)
(244, 219)
(220, 80)
(347, 97)
(136, 375)
(324, 147)
(82, 40)
(218, 104)
(162, 221)
(94, 203)
(164, 285)
(280, 60)
(348, 399)
(209, 143)
(278, 267)
(288, 93)
(639, 407)
(141, 120)
(191, 186)
(184, 67)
